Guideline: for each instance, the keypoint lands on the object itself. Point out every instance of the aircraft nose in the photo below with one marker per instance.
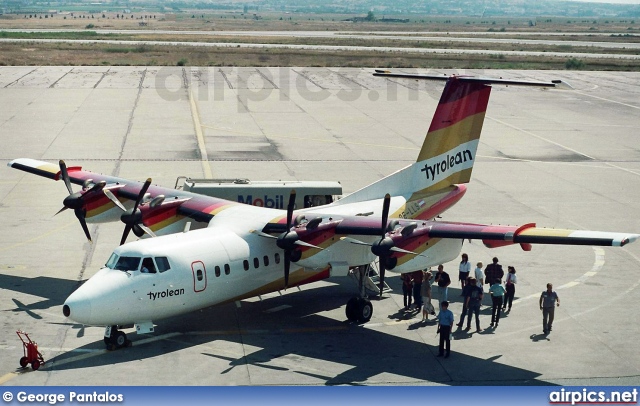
(77, 310)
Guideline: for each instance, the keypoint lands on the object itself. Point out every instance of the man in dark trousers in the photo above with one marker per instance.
(443, 280)
(548, 302)
(445, 323)
(493, 273)
(417, 285)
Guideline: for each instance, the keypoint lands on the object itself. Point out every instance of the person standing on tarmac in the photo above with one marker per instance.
(425, 293)
(510, 285)
(463, 271)
(417, 286)
(548, 300)
(493, 272)
(407, 289)
(443, 280)
(445, 323)
(497, 293)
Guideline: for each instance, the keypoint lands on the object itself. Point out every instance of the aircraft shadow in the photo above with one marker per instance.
(54, 291)
(300, 332)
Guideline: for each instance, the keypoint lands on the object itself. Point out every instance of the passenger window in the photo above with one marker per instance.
(277, 257)
(148, 266)
(199, 274)
(163, 264)
(217, 270)
(266, 260)
(245, 263)
(256, 263)
(227, 269)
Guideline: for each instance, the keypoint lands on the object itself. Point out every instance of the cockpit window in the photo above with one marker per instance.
(127, 263)
(148, 266)
(163, 264)
(111, 263)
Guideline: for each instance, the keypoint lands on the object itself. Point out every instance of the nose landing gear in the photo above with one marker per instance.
(115, 339)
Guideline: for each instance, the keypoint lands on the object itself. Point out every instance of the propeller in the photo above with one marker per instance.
(289, 239)
(133, 219)
(382, 247)
(76, 201)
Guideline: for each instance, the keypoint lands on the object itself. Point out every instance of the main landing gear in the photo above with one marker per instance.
(359, 308)
(115, 339)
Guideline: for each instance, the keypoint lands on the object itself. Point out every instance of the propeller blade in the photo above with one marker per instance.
(114, 199)
(287, 267)
(385, 214)
(65, 176)
(83, 223)
(98, 186)
(261, 234)
(382, 269)
(383, 230)
(125, 234)
(290, 207)
(60, 211)
(143, 191)
(396, 249)
(147, 230)
(306, 244)
(354, 241)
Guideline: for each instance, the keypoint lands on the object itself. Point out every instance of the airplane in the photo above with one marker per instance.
(237, 251)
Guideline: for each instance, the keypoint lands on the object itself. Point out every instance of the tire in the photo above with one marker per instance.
(120, 339)
(365, 310)
(24, 361)
(35, 365)
(352, 309)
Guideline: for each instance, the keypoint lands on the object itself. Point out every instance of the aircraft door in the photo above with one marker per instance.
(199, 276)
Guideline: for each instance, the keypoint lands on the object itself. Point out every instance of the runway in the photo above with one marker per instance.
(563, 159)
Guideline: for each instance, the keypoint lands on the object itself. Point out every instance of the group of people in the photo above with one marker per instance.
(417, 286)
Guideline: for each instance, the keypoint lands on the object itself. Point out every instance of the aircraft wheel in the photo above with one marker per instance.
(24, 361)
(120, 339)
(365, 310)
(35, 365)
(352, 309)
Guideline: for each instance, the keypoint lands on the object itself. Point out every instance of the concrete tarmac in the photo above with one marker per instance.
(563, 159)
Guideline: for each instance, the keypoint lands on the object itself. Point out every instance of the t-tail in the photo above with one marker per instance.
(436, 181)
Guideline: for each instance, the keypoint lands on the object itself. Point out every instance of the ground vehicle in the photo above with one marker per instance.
(270, 194)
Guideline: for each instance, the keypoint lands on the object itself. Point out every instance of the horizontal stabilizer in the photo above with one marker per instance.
(485, 81)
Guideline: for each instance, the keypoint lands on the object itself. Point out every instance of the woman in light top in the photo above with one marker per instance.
(464, 269)
(479, 274)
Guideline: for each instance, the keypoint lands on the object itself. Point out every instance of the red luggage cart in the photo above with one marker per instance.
(31, 354)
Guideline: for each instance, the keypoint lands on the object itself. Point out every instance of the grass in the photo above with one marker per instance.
(96, 53)
(102, 54)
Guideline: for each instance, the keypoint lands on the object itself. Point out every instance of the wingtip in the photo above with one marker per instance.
(561, 84)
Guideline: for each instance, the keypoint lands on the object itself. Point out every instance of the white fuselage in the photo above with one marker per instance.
(223, 262)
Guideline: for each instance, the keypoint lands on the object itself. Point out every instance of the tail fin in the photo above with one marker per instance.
(436, 181)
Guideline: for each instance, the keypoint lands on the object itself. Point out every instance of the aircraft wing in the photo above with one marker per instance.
(497, 235)
(104, 198)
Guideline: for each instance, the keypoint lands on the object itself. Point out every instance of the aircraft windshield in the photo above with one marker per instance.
(123, 263)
